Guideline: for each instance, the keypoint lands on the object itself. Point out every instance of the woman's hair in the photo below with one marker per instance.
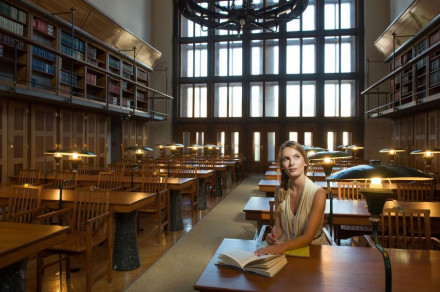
(284, 184)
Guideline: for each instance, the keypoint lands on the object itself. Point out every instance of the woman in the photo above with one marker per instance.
(299, 205)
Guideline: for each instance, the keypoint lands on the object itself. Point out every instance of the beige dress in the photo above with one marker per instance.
(294, 225)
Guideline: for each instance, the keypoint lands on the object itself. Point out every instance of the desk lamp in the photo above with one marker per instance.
(375, 195)
(354, 149)
(194, 149)
(428, 155)
(139, 153)
(327, 159)
(211, 148)
(392, 152)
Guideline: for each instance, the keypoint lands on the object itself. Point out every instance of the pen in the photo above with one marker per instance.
(272, 233)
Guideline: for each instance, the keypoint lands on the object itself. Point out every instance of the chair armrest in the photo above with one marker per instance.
(35, 211)
(97, 218)
(134, 189)
(329, 238)
(369, 240)
(435, 243)
(40, 219)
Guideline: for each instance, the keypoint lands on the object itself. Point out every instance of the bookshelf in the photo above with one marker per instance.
(434, 63)
(38, 52)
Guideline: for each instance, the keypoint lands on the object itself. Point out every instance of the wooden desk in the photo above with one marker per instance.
(18, 241)
(123, 205)
(314, 176)
(269, 186)
(329, 268)
(345, 212)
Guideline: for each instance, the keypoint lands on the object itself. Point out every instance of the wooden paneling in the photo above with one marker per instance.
(3, 141)
(43, 137)
(18, 142)
(101, 141)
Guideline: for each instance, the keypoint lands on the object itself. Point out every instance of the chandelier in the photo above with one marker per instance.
(244, 15)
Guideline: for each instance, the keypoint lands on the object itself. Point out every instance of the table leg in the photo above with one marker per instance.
(202, 198)
(228, 178)
(13, 277)
(218, 188)
(176, 221)
(126, 251)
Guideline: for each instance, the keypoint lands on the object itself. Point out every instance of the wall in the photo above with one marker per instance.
(397, 7)
(377, 132)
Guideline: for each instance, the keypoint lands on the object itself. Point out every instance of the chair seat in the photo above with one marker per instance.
(76, 242)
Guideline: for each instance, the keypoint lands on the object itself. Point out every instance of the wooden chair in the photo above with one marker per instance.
(117, 167)
(405, 228)
(29, 176)
(415, 192)
(91, 226)
(63, 177)
(193, 190)
(350, 191)
(110, 180)
(24, 204)
(161, 205)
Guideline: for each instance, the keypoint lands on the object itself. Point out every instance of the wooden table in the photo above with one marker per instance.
(329, 268)
(18, 241)
(314, 176)
(123, 206)
(269, 186)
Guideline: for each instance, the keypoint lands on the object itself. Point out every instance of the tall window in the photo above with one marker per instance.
(304, 74)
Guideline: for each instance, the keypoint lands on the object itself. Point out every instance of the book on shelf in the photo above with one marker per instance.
(265, 265)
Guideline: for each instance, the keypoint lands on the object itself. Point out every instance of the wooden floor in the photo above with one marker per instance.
(150, 251)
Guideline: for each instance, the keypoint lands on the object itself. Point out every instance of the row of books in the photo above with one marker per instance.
(114, 88)
(13, 12)
(67, 78)
(91, 78)
(113, 62)
(43, 66)
(113, 100)
(43, 26)
(77, 44)
(1, 50)
(434, 77)
(92, 52)
(11, 25)
(43, 53)
(435, 64)
(128, 68)
(75, 54)
(142, 74)
(10, 41)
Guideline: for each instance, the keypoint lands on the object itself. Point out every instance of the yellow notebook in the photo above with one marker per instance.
(303, 252)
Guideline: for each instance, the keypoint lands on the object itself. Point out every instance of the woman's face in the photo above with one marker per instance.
(292, 162)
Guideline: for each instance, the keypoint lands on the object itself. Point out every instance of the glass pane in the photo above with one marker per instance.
(331, 48)
(221, 141)
(221, 54)
(347, 98)
(200, 140)
(271, 57)
(308, 141)
(331, 141)
(308, 55)
(308, 98)
(235, 142)
(331, 99)
(271, 100)
(200, 60)
(187, 52)
(293, 56)
(348, 14)
(348, 50)
(293, 136)
(293, 99)
(200, 101)
(235, 59)
(271, 146)
(346, 138)
(257, 146)
(256, 100)
(186, 99)
(308, 17)
(235, 100)
(220, 100)
(331, 14)
(186, 141)
(257, 57)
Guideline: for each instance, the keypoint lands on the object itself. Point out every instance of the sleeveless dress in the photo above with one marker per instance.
(294, 225)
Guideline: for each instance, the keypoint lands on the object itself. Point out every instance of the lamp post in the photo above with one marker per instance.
(327, 159)
(428, 156)
(375, 196)
(392, 152)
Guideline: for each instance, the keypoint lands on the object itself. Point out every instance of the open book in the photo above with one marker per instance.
(266, 265)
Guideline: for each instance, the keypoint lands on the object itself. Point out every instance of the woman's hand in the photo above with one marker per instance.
(271, 238)
(270, 249)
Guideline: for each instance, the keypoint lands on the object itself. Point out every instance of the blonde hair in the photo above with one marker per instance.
(284, 183)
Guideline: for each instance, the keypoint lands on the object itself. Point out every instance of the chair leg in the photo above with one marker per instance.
(159, 225)
(40, 263)
(88, 270)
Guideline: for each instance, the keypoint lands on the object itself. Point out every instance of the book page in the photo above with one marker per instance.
(241, 258)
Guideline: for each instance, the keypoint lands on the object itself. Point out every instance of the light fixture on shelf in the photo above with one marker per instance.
(428, 156)
(245, 15)
(392, 152)
(376, 195)
(327, 159)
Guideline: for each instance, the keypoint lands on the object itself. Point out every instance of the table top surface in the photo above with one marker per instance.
(18, 240)
(329, 268)
(352, 208)
(275, 183)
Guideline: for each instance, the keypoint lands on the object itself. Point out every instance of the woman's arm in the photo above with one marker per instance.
(315, 217)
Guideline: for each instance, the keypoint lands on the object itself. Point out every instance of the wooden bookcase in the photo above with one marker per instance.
(39, 53)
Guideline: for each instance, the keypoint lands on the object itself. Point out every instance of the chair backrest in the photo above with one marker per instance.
(350, 190)
(150, 168)
(109, 180)
(187, 171)
(405, 228)
(22, 199)
(89, 204)
(154, 183)
(66, 178)
(116, 167)
(415, 192)
(29, 176)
